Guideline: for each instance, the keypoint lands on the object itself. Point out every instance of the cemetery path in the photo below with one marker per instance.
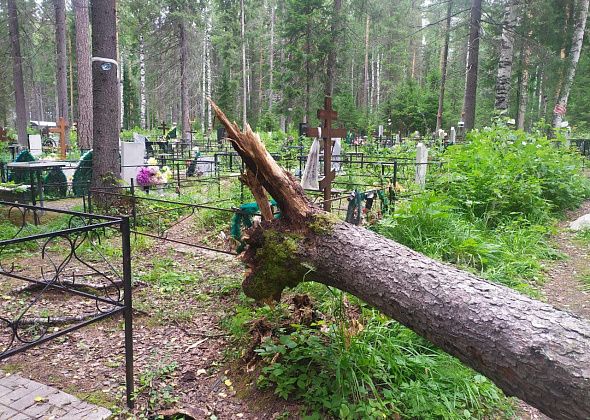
(564, 287)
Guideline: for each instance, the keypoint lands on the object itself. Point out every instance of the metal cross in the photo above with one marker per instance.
(163, 127)
(61, 129)
(327, 116)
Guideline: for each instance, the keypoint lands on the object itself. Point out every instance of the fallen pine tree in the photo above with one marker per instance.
(530, 349)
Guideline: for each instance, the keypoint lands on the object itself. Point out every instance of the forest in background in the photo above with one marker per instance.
(386, 58)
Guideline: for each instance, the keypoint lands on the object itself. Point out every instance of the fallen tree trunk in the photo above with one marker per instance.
(528, 348)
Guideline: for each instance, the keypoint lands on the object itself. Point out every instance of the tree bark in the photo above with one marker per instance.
(575, 50)
(271, 54)
(62, 71)
(105, 90)
(244, 80)
(469, 101)
(17, 75)
(443, 69)
(365, 94)
(184, 94)
(523, 97)
(84, 66)
(504, 74)
(331, 59)
(528, 348)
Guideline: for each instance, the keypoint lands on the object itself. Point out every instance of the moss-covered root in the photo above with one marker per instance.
(274, 263)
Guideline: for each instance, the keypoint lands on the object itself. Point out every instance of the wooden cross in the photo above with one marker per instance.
(327, 116)
(163, 127)
(61, 129)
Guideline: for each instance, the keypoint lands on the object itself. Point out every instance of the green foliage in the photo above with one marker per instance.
(511, 253)
(377, 370)
(502, 173)
(412, 108)
(169, 276)
(20, 176)
(56, 183)
(155, 390)
(83, 175)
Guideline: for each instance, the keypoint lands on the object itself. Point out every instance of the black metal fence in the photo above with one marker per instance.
(72, 261)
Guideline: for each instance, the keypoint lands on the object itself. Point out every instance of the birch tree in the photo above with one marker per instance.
(504, 74)
(574, 57)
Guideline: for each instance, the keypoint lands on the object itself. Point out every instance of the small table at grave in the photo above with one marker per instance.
(35, 168)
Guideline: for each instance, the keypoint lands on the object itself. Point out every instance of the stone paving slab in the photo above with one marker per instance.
(22, 398)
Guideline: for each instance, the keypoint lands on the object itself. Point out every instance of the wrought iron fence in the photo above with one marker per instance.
(71, 260)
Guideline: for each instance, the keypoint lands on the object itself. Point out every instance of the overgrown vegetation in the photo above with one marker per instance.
(489, 212)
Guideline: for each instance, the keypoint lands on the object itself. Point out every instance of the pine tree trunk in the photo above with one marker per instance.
(208, 27)
(244, 76)
(331, 59)
(17, 74)
(524, 86)
(443, 67)
(84, 66)
(504, 74)
(365, 94)
(575, 50)
(184, 93)
(528, 348)
(105, 90)
(62, 71)
(142, 99)
(378, 80)
(469, 101)
(71, 76)
(271, 54)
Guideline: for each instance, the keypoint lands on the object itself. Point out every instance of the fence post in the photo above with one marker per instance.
(128, 310)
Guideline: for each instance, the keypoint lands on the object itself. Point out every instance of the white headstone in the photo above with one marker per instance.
(453, 137)
(132, 158)
(205, 165)
(421, 164)
(35, 144)
(380, 131)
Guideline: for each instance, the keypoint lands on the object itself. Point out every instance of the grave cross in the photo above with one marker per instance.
(163, 127)
(61, 129)
(327, 116)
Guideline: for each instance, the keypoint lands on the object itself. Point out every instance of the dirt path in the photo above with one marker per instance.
(564, 288)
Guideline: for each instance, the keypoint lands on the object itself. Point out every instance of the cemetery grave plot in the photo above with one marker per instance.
(183, 294)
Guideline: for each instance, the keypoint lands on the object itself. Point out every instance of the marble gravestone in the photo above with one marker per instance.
(132, 158)
(421, 164)
(35, 145)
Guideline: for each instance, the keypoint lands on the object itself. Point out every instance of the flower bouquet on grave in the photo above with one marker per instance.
(151, 175)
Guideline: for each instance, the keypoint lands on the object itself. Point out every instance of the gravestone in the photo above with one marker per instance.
(132, 158)
(453, 136)
(421, 164)
(380, 132)
(206, 165)
(35, 145)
